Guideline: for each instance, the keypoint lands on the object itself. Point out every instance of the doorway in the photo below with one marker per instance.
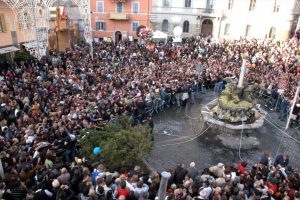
(118, 37)
(207, 27)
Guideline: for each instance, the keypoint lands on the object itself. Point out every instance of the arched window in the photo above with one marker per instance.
(252, 5)
(226, 31)
(248, 30)
(276, 6)
(166, 3)
(230, 4)
(187, 3)
(272, 32)
(165, 25)
(186, 26)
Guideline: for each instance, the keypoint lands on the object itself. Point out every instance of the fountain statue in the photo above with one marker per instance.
(235, 110)
(236, 104)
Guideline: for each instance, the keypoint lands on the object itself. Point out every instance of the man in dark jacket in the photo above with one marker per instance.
(180, 173)
(192, 171)
(282, 160)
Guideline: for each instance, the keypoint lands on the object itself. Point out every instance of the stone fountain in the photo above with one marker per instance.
(235, 111)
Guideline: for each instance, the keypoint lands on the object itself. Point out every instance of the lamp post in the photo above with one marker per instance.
(220, 25)
(163, 185)
(293, 105)
(243, 70)
(199, 24)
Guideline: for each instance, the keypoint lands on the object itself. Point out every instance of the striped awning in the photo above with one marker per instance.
(8, 49)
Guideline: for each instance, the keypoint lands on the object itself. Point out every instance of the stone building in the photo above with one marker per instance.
(229, 19)
(10, 33)
(119, 19)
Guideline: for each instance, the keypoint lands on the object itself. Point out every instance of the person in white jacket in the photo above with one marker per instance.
(140, 189)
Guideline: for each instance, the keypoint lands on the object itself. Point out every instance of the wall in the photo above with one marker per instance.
(124, 26)
(178, 9)
(261, 19)
(11, 25)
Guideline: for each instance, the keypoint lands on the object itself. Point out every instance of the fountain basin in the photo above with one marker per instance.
(207, 112)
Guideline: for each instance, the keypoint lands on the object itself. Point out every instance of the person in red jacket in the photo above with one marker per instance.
(123, 191)
(241, 168)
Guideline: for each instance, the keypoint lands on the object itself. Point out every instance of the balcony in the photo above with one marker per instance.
(118, 16)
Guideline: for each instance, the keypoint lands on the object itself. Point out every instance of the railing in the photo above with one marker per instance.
(184, 9)
(118, 16)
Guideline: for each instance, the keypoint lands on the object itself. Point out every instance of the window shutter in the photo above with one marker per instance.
(104, 28)
(3, 23)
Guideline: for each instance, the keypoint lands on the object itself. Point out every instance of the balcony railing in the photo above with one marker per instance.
(118, 16)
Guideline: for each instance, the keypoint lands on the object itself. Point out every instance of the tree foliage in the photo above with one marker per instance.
(22, 56)
(122, 146)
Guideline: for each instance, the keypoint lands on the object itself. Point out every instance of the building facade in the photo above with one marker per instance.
(119, 19)
(230, 19)
(167, 14)
(64, 27)
(274, 19)
(10, 33)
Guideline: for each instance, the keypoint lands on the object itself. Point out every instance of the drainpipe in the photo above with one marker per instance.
(222, 18)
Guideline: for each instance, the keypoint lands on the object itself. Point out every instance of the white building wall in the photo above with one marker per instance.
(261, 19)
(177, 11)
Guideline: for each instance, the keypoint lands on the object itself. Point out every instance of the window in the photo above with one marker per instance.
(276, 6)
(119, 7)
(230, 4)
(166, 3)
(26, 20)
(252, 5)
(135, 7)
(100, 25)
(187, 3)
(165, 25)
(100, 6)
(186, 26)
(248, 30)
(2, 23)
(134, 26)
(209, 4)
(227, 27)
(272, 33)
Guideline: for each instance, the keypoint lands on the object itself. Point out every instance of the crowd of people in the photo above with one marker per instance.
(45, 103)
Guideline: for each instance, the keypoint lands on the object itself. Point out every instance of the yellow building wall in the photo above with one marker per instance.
(10, 24)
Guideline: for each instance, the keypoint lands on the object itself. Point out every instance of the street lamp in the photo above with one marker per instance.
(199, 24)
(221, 19)
(293, 105)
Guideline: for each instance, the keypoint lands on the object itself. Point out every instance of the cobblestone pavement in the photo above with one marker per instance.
(180, 135)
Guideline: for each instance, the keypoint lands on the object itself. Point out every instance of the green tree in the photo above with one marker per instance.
(122, 146)
(22, 56)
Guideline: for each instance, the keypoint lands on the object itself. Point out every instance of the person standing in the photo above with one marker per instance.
(282, 160)
(151, 125)
(193, 92)
(283, 108)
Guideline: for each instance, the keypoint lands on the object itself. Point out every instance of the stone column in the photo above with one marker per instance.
(242, 73)
(163, 185)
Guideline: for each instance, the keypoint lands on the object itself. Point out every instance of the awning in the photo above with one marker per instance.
(8, 49)
(29, 45)
(159, 35)
(32, 44)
